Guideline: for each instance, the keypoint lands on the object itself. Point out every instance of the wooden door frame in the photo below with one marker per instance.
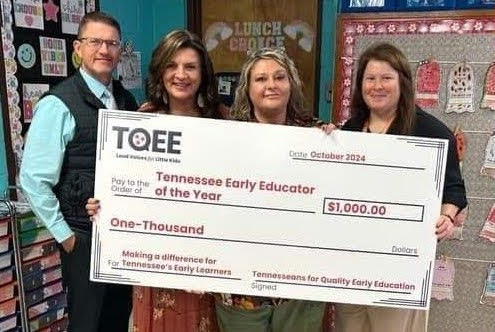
(194, 16)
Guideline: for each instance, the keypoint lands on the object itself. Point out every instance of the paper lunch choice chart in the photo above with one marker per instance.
(245, 208)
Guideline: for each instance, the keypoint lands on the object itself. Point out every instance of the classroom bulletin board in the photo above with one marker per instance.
(37, 53)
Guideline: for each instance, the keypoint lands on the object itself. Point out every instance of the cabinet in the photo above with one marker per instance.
(32, 297)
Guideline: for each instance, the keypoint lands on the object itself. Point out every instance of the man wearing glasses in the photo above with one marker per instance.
(58, 170)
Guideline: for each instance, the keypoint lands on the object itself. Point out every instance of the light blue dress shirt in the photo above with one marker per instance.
(52, 128)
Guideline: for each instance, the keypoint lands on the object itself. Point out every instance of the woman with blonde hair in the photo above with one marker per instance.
(270, 92)
(292, 111)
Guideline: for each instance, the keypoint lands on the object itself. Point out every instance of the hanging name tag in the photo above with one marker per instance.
(488, 296)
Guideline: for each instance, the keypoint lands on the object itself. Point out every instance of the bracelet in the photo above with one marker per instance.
(448, 216)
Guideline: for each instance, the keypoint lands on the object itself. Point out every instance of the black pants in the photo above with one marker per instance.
(93, 307)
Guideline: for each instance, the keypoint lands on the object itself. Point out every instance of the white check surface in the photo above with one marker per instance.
(266, 210)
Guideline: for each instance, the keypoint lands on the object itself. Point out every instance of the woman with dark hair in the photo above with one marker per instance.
(383, 103)
(181, 82)
(270, 92)
(181, 79)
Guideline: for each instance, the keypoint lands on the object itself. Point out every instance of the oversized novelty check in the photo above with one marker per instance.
(245, 208)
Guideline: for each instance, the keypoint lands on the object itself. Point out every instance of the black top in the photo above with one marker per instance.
(77, 177)
(427, 125)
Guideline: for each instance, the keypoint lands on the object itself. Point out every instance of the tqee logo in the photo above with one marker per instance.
(140, 139)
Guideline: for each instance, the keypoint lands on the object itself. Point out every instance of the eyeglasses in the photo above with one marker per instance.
(254, 53)
(97, 42)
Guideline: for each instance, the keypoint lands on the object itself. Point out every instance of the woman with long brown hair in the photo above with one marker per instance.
(181, 82)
